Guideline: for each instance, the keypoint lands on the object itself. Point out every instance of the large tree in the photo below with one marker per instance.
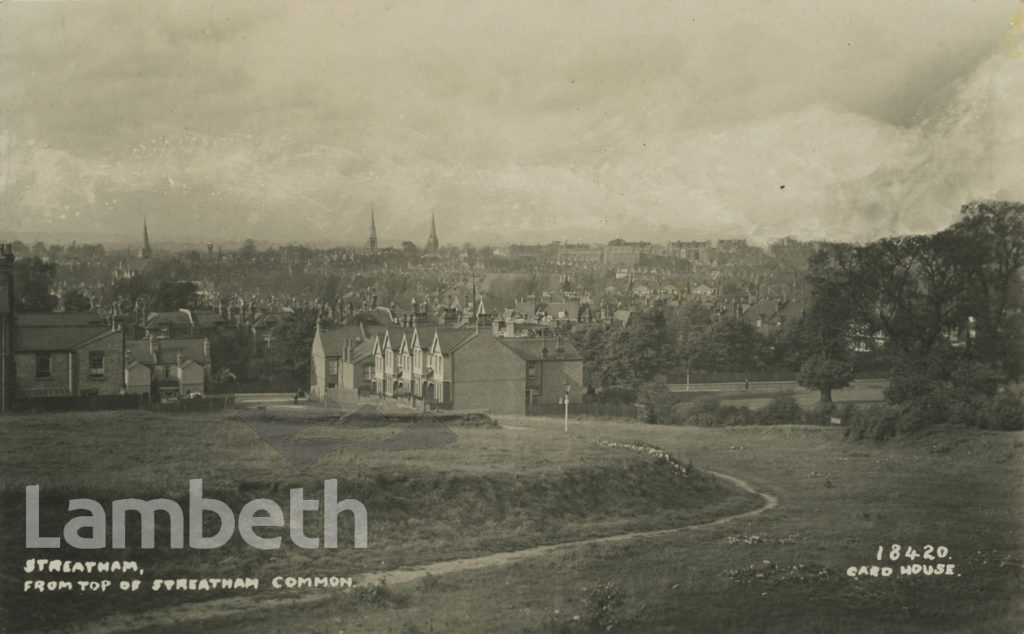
(993, 233)
(287, 362)
(824, 335)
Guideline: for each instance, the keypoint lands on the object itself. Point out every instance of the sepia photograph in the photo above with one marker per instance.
(540, 317)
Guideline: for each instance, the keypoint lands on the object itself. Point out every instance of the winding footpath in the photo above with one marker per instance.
(194, 613)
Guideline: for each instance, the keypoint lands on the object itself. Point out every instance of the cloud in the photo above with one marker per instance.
(527, 123)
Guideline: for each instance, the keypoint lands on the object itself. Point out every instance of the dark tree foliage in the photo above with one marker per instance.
(822, 339)
(287, 362)
(74, 300)
(948, 308)
(625, 356)
(33, 279)
(730, 345)
(171, 296)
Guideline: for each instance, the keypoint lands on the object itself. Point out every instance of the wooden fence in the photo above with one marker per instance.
(82, 403)
(121, 401)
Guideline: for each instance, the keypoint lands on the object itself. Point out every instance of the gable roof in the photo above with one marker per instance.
(449, 339)
(174, 318)
(62, 320)
(55, 332)
(333, 339)
(532, 348)
(165, 351)
(763, 310)
(363, 351)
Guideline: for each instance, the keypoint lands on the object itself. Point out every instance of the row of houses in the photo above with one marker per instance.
(444, 368)
(78, 354)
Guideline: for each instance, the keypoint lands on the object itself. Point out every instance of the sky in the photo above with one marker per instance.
(509, 121)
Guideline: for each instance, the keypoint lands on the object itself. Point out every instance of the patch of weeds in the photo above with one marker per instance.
(601, 612)
(768, 570)
(378, 594)
(416, 628)
(757, 539)
(429, 582)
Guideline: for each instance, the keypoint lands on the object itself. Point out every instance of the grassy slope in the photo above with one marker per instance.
(494, 490)
(838, 502)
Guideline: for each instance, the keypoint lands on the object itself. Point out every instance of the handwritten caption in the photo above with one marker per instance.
(900, 560)
(131, 569)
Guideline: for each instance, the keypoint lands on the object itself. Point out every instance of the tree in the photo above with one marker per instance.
(625, 356)
(287, 363)
(410, 248)
(74, 300)
(823, 336)
(171, 296)
(824, 375)
(994, 233)
(33, 280)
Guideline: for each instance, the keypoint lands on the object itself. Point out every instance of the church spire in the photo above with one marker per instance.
(146, 251)
(432, 240)
(371, 244)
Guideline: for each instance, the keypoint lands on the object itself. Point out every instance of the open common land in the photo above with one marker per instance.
(525, 483)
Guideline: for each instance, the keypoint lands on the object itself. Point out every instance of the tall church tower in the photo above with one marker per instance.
(371, 244)
(432, 240)
(146, 251)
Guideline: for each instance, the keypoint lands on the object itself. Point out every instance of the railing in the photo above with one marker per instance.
(586, 408)
(205, 404)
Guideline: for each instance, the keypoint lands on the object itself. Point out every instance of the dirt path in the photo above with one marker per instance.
(188, 615)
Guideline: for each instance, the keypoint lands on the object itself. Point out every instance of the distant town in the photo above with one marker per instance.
(507, 329)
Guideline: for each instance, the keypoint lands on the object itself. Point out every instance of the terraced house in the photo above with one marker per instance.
(473, 370)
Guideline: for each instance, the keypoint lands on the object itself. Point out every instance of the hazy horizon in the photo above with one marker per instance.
(522, 123)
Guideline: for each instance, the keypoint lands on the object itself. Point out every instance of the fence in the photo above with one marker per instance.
(82, 403)
(731, 377)
(586, 408)
(206, 404)
(253, 387)
(120, 401)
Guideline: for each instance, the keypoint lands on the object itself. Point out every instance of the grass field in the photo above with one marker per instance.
(528, 483)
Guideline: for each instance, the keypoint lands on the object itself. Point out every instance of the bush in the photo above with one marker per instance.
(948, 386)
(707, 411)
(601, 613)
(782, 410)
(1004, 412)
(875, 422)
(655, 402)
(821, 414)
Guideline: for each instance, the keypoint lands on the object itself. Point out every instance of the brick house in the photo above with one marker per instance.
(466, 369)
(342, 362)
(171, 367)
(66, 354)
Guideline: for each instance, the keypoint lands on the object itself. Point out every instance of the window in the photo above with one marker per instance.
(43, 365)
(95, 364)
(531, 371)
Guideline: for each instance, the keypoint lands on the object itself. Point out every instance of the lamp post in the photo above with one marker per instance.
(565, 399)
